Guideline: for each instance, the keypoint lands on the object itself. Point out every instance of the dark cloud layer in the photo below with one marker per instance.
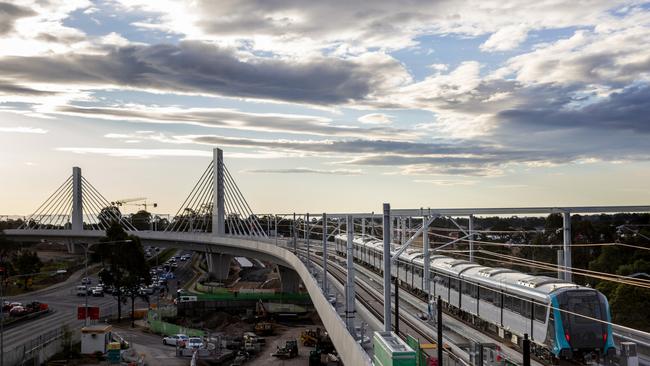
(193, 67)
(8, 15)
(305, 171)
(21, 90)
(626, 110)
(229, 118)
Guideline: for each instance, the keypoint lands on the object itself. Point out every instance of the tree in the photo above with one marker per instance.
(141, 220)
(126, 267)
(26, 262)
(109, 214)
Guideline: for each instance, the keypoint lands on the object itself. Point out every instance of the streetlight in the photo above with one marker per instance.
(86, 245)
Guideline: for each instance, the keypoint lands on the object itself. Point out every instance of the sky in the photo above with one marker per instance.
(334, 106)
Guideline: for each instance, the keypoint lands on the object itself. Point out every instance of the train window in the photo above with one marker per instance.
(507, 302)
(487, 295)
(469, 289)
(516, 304)
(526, 306)
(497, 299)
(539, 312)
(454, 284)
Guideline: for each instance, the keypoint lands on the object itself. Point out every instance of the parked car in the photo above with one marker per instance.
(86, 281)
(176, 340)
(195, 343)
(97, 291)
(17, 311)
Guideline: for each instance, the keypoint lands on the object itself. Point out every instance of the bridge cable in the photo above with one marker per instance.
(38, 210)
(239, 193)
(179, 214)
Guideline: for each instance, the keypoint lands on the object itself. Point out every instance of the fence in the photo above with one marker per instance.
(38, 349)
(164, 328)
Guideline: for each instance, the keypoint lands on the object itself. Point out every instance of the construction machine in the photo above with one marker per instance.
(290, 350)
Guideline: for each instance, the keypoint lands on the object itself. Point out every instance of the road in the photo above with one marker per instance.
(63, 302)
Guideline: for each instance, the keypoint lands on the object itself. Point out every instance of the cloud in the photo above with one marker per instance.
(447, 183)
(348, 27)
(23, 129)
(200, 68)
(12, 89)
(306, 171)
(589, 57)
(9, 13)
(136, 153)
(376, 119)
(505, 39)
(234, 119)
(625, 110)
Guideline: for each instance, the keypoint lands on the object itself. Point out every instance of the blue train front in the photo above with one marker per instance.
(580, 324)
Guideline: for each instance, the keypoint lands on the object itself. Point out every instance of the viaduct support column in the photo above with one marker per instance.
(218, 211)
(566, 223)
(289, 279)
(218, 265)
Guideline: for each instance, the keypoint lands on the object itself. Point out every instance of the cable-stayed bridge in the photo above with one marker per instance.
(216, 219)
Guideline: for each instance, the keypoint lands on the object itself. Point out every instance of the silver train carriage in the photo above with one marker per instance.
(562, 319)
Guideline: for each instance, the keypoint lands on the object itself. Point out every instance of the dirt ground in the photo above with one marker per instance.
(278, 339)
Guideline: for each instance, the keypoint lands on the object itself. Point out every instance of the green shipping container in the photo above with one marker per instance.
(390, 350)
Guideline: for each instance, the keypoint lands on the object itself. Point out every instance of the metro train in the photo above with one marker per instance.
(557, 315)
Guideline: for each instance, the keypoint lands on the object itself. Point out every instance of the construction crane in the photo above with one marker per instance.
(129, 202)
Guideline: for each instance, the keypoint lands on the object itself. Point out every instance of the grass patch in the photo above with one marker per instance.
(163, 256)
(41, 281)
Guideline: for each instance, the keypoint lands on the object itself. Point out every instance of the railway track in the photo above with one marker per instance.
(416, 326)
(375, 305)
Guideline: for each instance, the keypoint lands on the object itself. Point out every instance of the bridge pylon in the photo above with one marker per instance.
(75, 206)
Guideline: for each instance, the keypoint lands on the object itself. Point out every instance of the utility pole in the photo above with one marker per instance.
(397, 300)
(386, 257)
(439, 328)
(526, 351)
(427, 264)
(307, 240)
(87, 283)
(295, 234)
(566, 224)
(325, 256)
(471, 238)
